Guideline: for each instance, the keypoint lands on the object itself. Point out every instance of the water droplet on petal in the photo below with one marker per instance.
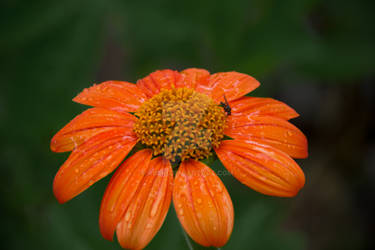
(153, 211)
(219, 189)
(199, 200)
(127, 216)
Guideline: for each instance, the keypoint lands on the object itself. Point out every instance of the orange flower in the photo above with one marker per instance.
(179, 118)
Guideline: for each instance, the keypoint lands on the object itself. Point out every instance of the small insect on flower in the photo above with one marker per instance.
(176, 120)
(226, 106)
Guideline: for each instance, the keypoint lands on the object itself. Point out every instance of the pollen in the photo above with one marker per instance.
(180, 124)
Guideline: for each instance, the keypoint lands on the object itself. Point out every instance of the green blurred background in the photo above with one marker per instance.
(317, 56)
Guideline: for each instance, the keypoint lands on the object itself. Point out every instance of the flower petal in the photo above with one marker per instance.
(193, 77)
(115, 201)
(88, 124)
(115, 95)
(137, 200)
(262, 106)
(268, 130)
(160, 79)
(203, 204)
(231, 84)
(262, 168)
(91, 161)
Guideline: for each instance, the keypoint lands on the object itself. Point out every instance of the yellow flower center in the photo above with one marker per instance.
(180, 124)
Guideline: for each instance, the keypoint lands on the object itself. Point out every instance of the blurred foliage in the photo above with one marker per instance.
(51, 50)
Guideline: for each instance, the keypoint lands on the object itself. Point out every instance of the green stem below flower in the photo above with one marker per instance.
(187, 239)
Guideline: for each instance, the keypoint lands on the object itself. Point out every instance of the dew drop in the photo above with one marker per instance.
(76, 170)
(153, 211)
(149, 225)
(127, 216)
(199, 200)
(219, 189)
(215, 228)
(181, 212)
(289, 133)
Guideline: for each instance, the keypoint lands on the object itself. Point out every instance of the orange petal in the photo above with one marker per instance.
(268, 130)
(88, 124)
(231, 84)
(137, 200)
(203, 204)
(160, 79)
(115, 201)
(115, 95)
(262, 168)
(192, 77)
(262, 106)
(91, 161)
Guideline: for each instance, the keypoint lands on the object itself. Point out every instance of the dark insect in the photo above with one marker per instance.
(226, 106)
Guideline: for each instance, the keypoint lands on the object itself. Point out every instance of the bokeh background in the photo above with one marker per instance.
(317, 56)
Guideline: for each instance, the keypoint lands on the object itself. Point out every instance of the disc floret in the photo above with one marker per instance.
(180, 124)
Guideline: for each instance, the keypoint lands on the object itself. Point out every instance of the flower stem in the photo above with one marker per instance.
(187, 239)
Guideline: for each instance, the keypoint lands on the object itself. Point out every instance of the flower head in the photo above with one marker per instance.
(178, 118)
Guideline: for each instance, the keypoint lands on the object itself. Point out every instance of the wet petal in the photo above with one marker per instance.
(137, 200)
(262, 168)
(231, 84)
(115, 201)
(203, 204)
(88, 124)
(160, 79)
(115, 95)
(91, 161)
(268, 130)
(262, 106)
(193, 77)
